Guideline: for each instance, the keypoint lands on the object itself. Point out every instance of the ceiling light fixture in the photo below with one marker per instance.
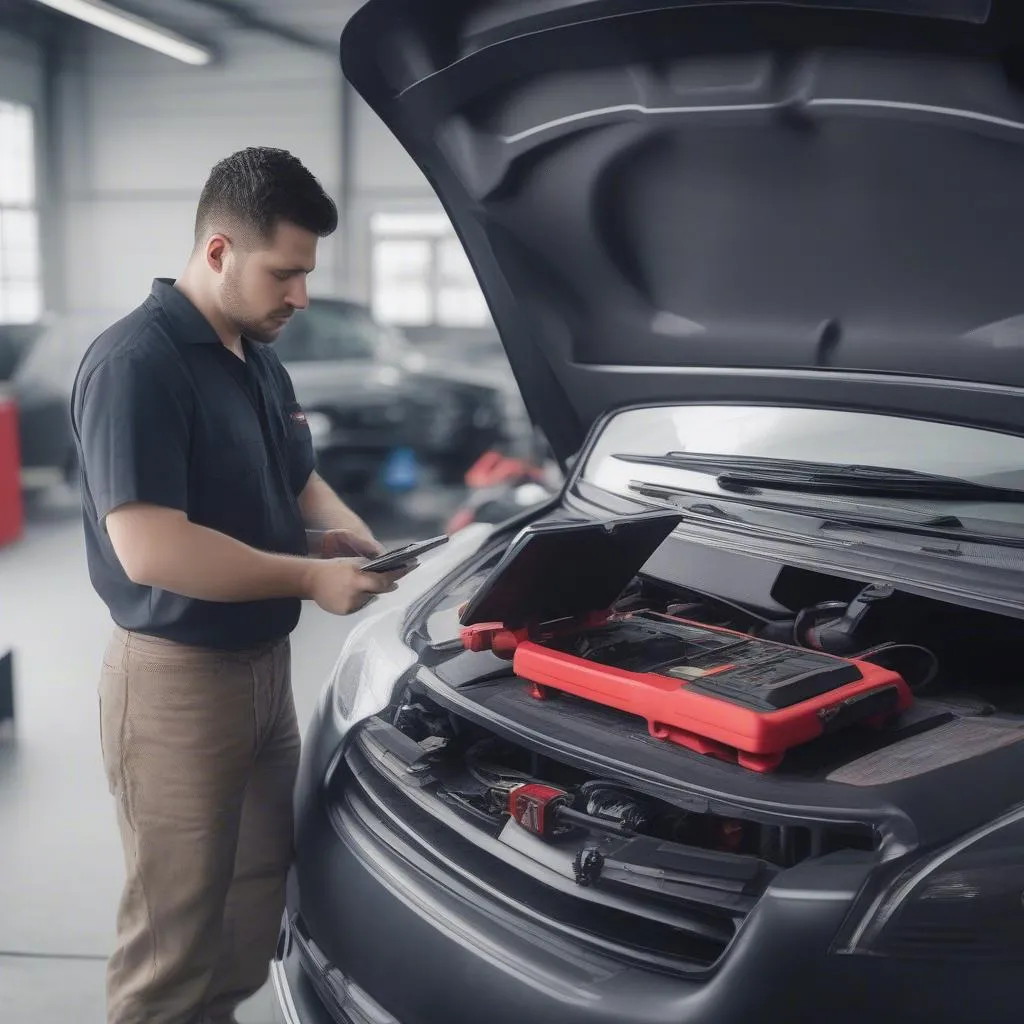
(130, 26)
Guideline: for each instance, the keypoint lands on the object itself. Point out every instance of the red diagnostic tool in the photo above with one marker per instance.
(729, 695)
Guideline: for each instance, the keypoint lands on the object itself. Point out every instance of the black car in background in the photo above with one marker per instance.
(376, 405)
(373, 400)
(36, 368)
(756, 265)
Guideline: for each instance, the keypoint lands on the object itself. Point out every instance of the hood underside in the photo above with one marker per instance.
(799, 203)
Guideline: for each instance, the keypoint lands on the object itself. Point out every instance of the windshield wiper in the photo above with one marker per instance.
(747, 474)
(944, 527)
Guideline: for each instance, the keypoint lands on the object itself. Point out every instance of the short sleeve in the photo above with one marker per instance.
(134, 429)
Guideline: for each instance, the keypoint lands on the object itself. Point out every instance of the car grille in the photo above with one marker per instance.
(658, 933)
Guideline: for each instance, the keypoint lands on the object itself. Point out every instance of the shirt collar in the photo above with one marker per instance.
(190, 325)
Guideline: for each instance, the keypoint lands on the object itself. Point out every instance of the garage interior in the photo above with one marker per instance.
(105, 142)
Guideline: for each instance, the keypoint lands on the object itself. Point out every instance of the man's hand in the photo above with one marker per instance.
(326, 515)
(349, 544)
(339, 586)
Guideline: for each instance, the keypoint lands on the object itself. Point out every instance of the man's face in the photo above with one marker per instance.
(262, 286)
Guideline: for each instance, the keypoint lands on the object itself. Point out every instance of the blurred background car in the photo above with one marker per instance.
(14, 340)
(34, 372)
(383, 412)
(387, 415)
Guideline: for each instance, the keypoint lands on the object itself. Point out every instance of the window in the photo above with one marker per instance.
(20, 285)
(421, 276)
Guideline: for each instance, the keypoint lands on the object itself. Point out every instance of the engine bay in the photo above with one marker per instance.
(858, 789)
(945, 651)
(582, 814)
(481, 776)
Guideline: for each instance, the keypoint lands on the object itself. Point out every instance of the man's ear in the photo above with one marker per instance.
(217, 247)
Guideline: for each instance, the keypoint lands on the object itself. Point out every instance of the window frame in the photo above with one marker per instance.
(29, 204)
(435, 231)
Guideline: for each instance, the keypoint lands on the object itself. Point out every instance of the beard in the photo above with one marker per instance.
(261, 329)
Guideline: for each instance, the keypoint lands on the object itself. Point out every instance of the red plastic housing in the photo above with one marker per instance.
(533, 806)
(719, 725)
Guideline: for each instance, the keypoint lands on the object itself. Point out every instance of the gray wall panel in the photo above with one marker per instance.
(141, 133)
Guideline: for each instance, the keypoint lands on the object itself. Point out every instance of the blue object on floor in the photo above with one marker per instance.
(402, 470)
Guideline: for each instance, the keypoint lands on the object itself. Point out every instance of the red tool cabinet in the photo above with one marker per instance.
(11, 509)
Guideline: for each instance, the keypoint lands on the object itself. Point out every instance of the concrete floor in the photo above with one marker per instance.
(60, 860)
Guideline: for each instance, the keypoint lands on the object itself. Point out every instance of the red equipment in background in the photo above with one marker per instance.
(11, 508)
(500, 487)
(493, 469)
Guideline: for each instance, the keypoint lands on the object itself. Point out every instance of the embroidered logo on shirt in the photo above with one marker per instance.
(298, 417)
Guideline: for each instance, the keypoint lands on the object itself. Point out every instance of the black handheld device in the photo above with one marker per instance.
(403, 556)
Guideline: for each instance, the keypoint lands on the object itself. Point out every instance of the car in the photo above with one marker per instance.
(373, 401)
(38, 358)
(756, 268)
(15, 340)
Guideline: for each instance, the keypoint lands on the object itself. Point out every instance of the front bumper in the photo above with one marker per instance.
(426, 946)
(289, 1006)
(298, 1002)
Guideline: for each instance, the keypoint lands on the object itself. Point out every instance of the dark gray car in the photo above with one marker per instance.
(369, 395)
(757, 265)
(42, 366)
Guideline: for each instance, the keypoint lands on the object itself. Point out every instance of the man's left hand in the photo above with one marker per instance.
(350, 544)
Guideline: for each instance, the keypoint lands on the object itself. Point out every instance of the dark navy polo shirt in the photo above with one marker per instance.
(165, 414)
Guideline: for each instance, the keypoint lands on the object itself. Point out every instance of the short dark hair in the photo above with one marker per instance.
(257, 188)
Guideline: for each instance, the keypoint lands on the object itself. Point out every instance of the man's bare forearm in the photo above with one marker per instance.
(161, 548)
(322, 509)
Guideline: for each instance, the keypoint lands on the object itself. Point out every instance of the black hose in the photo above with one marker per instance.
(872, 656)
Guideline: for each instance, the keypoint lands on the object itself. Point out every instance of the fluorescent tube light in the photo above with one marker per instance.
(134, 28)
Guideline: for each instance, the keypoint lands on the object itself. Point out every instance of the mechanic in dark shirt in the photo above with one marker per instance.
(199, 497)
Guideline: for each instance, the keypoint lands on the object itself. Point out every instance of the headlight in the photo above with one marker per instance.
(375, 656)
(372, 661)
(966, 901)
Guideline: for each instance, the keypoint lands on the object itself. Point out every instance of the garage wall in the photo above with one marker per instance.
(140, 133)
(384, 179)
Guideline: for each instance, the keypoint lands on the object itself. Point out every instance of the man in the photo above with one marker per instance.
(198, 492)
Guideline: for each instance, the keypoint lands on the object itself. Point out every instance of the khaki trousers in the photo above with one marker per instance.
(201, 750)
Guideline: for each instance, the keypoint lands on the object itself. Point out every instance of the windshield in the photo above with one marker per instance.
(809, 435)
(328, 332)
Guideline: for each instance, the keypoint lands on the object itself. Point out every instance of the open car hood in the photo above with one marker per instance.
(725, 200)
